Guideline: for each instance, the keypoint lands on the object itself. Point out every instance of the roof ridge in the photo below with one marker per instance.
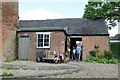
(57, 19)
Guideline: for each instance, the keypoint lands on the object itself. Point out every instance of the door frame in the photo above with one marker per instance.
(73, 40)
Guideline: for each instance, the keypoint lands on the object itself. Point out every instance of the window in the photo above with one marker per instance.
(43, 40)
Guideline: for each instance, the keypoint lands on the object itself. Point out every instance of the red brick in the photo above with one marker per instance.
(9, 25)
(57, 43)
(90, 41)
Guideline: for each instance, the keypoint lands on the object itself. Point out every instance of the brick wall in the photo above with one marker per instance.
(90, 41)
(0, 30)
(9, 26)
(57, 43)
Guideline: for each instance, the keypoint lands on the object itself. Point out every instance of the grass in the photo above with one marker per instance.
(67, 70)
(51, 68)
(6, 75)
(9, 68)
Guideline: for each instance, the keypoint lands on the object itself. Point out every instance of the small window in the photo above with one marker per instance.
(43, 40)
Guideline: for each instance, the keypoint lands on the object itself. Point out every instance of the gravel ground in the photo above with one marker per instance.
(64, 70)
(94, 70)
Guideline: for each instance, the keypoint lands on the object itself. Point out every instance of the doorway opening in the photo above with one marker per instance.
(73, 44)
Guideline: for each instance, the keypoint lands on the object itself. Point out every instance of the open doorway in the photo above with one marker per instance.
(73, 44)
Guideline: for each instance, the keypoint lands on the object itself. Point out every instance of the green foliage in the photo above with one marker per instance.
(92, 11)
(92, 53)
(101, 60)
(6, 74)
(115, 48)
(7, 61)
(91, 59)
(95, 52)
(108, 55)
(103, 9)
(107, 58)
(9, 68)
(113, 61)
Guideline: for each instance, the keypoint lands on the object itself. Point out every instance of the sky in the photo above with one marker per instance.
(54, 9)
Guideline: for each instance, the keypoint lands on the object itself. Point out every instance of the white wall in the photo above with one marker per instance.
(115, 30)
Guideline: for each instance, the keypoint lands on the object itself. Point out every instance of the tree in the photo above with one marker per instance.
(109, 10)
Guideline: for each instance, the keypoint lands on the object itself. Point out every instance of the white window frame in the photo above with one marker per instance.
(48, 33)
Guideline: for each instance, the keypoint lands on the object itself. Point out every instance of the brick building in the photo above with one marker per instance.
(9, 23)
(0, 31)
(60, 35)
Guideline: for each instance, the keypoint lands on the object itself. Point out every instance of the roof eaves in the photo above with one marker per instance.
(88, 34)
(39, 29)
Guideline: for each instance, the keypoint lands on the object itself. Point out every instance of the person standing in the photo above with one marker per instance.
(78, 51)
(74, 55)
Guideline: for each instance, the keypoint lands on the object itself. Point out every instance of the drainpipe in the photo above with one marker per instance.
(66, 31)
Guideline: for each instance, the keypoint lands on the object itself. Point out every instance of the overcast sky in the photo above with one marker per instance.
(53, 9)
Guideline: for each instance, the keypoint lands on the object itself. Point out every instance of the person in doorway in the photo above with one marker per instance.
(71, 53)
(78, 52)
(74, 55)
(61, 57)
